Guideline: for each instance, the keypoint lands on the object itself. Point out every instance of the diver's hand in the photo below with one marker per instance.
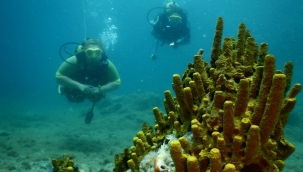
(95, 91)
(86, 89)
(96, 94)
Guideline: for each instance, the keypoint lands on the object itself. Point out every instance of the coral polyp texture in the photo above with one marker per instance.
(228, 115)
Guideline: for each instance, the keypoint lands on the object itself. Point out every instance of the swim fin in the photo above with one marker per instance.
(89, 117)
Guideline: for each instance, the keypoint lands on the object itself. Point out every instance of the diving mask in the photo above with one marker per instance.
(175, 19)
(93, 52)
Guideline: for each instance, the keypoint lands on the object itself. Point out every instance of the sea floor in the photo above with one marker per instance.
(31, 136)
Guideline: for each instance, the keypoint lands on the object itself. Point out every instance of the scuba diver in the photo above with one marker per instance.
(171, 26)
(87, 74)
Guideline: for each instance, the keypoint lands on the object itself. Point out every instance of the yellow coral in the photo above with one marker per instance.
(66, 164)
(227, 116)
(178, 157)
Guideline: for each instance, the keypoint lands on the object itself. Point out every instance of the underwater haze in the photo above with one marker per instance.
(39, 123)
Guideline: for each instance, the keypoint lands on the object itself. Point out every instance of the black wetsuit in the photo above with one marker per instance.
(168, 33)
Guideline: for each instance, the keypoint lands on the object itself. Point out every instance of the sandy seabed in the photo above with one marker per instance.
(31, 136)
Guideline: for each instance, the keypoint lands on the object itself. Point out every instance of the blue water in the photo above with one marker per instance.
(32, 31)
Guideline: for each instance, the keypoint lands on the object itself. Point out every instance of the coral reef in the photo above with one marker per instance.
(64, 165)
(227, 116)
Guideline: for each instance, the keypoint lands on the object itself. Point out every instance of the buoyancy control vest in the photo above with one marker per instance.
(94, 75)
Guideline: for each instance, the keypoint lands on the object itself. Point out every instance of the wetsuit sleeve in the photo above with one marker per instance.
(112, 73)
(67, 69)
(159, 30)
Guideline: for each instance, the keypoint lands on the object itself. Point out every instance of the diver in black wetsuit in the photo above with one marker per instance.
(171, 26)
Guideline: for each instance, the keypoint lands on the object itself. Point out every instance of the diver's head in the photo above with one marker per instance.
(171, 6)
(173, 9)
(93, 50)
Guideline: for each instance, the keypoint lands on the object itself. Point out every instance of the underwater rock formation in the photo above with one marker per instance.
(227, 116)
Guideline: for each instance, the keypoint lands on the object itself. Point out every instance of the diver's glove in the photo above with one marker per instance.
(96, 94)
